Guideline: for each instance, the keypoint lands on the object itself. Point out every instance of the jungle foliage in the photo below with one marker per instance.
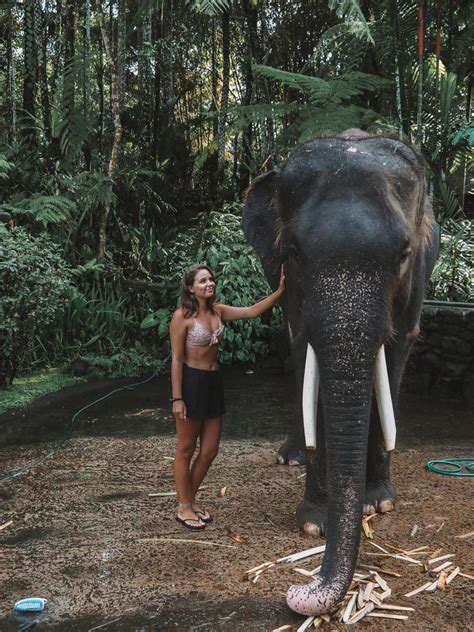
(130, 130)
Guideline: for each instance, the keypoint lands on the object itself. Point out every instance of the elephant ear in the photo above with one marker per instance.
(260, 222)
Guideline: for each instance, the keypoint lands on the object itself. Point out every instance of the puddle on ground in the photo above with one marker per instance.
(259, 405)
(195, 613)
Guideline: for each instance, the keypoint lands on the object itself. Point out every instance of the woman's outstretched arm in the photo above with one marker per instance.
(228, 312)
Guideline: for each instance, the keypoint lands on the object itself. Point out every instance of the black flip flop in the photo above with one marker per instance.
(184, 522)
(207, 520)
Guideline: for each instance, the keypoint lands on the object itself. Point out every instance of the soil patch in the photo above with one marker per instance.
(87, 535)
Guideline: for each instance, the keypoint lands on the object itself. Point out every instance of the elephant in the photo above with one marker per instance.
(350, 219)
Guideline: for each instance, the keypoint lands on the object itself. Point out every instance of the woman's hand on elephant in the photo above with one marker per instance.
(281, 286)
(179, 410)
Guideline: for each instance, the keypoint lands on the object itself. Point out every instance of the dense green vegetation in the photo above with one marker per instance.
(130, 131)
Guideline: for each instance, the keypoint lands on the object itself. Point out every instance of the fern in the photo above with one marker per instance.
(45, 210)
(5, 167)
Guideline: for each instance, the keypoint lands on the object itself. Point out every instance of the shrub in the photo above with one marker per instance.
(452, 278)
(34, 282)
(216, 239)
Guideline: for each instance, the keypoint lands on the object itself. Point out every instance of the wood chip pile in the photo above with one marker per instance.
(369, 593)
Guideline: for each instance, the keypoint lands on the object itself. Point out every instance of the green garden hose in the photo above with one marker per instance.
(462, 466)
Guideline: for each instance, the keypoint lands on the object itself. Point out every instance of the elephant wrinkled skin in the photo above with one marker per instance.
(350, 218)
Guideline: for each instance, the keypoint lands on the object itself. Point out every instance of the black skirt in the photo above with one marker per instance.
(203, 393)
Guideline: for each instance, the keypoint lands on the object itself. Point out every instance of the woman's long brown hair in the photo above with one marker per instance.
(189, 303)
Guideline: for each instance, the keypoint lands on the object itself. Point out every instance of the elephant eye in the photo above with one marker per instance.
(292, 251)
(405, 254)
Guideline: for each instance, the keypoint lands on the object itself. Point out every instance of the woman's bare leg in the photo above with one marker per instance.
(208, 448)
(187, 431)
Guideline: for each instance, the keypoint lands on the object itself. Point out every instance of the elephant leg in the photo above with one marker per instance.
(293, 451)
(311, 514)
(380, 493)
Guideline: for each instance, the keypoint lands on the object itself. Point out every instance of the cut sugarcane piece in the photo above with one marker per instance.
(441, 567)
(439, 559)
(310, 397)
(361, 614)
(384, 401)
(452, 575)
(418, 590)
(383, 615)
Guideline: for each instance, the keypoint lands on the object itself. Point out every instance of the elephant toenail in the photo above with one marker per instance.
(369, 509)
(280, 459)
(311, 529)
(385, 505)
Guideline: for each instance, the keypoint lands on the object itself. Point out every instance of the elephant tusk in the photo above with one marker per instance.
(384, 401)
(310, 397)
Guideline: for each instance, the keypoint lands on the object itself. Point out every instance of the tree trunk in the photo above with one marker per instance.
(121, 50)
(104, 212)
(421, 45)
(399, 72)
(251, 57)
(43, 76)
(30, 73)
(100, 82)
(10, 87)
(224, 95)
(213, 108)
(164, 144)
(145, 82)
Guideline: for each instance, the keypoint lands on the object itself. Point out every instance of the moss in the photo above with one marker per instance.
(28, 388)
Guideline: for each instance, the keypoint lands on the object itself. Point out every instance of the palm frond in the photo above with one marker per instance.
(353, 16)
(210, 7)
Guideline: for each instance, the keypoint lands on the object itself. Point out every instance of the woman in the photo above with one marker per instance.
(198, 402)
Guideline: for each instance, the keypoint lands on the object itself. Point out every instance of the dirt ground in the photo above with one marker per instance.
(87, 535)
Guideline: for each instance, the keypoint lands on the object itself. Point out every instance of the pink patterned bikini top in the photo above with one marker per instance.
(199, 336)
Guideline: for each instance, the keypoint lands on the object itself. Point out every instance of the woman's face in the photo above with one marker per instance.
(204, 285)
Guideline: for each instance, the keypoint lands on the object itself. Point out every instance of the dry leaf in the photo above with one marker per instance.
(222, 492)
(236, 536)
(143, 412)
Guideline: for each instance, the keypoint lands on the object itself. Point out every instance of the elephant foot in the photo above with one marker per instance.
(312, 518)
(289, 454)
(380, 497)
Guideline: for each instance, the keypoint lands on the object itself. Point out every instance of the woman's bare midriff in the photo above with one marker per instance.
(204, 358)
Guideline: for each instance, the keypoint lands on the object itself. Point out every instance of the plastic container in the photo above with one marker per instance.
(32, 604)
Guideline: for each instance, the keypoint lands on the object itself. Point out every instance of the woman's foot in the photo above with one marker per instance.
(188, 518)
(204, 515)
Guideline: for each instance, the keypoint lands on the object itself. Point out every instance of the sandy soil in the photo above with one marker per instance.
(84, 524)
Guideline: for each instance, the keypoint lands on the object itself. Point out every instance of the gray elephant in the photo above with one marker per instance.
(350, 219)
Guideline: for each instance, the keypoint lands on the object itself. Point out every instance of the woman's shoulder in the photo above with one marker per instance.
(180, 317)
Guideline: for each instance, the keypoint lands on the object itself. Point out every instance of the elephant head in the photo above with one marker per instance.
(349, 217)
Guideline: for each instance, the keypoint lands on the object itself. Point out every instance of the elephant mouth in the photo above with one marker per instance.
(383, 397)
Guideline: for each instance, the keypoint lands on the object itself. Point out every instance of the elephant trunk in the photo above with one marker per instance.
(346, 345)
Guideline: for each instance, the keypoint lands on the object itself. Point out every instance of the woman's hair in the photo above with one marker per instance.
(189, 303)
